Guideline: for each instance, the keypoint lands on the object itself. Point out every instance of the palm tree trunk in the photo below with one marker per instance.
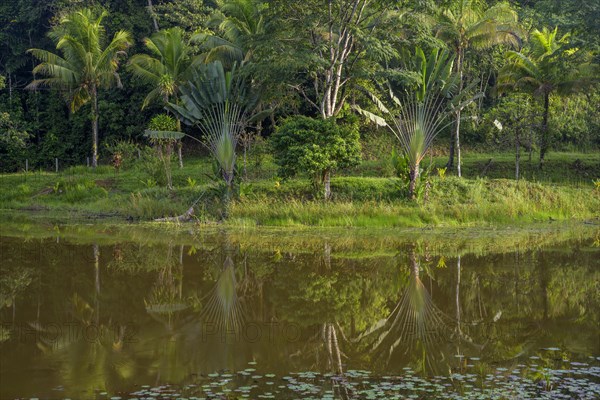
(94, 127)
(459, 66)
(517, 154)
(179, 145)
(414, 176)
(544, 139)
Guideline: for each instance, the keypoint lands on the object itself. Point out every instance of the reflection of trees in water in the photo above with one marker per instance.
(90, 347)
(223, 308)
(165, 300)
(330, 296)
(210, 332)
(416, 326)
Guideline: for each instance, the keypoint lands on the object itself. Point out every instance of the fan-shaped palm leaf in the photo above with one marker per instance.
(218, 103)
(422, 115)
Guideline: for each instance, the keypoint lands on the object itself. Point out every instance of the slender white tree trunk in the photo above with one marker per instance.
(151, 11)
(459, 65)
(94, 127)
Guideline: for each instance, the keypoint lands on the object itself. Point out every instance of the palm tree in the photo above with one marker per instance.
(219, 103)
(424, 113)
(86, 64)
(240, 26)
(168, 66)
(239, 22)
(467, 24)
(542, 70)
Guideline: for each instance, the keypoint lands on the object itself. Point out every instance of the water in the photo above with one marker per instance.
(97, 312)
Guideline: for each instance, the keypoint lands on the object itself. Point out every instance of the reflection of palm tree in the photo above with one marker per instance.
(94, 351)
(415, 321)
(224, 308)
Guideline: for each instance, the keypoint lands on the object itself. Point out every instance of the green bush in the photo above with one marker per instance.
(315, 146)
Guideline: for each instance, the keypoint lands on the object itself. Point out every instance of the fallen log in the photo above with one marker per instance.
(180, 218)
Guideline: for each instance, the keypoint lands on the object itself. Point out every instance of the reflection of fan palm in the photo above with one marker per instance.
(224, 308)
(415, 321)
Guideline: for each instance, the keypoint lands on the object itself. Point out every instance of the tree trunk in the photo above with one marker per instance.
(530, 144)
(414, 176)
(151, 11)
(94, 127)
(459, 66)
(517, 155)
(167, 163)
(327, 182)
(450, 163)
(179, 145)
(246, 142)
(179, 155)
(457, 144)
(544, 139)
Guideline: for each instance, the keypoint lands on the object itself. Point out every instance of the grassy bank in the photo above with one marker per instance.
(366, 196)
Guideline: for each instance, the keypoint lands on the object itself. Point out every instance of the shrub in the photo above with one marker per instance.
(124, 150)
(315, 146)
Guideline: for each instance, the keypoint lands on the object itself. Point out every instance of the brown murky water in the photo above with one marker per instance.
(92, 310)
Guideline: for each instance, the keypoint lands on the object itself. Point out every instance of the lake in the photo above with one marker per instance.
(102, 311)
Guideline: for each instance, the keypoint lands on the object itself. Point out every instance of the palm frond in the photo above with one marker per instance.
(219, 103)
(171, 135)
(380, 121)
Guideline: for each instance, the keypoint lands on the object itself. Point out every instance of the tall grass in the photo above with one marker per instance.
(453, 202)
(359, 201)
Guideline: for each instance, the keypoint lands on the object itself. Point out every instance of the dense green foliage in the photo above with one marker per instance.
(315, 146)
(298, 61)
(87, 63)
